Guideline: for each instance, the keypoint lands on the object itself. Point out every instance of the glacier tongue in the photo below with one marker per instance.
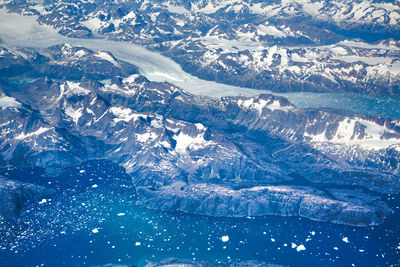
(16, 31)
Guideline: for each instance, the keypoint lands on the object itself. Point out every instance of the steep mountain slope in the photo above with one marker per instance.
(196, 154)
(318, 46)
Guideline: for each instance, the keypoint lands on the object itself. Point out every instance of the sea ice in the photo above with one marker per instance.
(225, 238)
(42, 201)
(301, 248)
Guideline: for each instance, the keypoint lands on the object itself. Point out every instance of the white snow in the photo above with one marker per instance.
(345, 134)
(39, 131)
(106, 56)
(124, 114)
(9, 102)
(93, 23)
(277, 106)
(259, 104)
(75, 114)
(17, 30)
(184, 142)
(73, 89)
(270, 30)
(146, 137)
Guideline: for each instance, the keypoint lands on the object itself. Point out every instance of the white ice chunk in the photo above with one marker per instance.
(225, 238)
(42, 201)
(301, 248)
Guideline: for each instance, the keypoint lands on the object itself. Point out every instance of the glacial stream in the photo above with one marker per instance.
(24, 31)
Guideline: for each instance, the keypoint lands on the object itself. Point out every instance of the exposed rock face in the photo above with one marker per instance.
(276, 45)
(63, 62)
(191, 263)
(220, 200)
(233, 156)
(14, 194)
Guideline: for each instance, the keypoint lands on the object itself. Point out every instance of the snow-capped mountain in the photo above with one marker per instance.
(244, 151)
(318, 46)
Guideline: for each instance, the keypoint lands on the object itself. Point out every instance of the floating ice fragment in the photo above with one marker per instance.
(42, 201)
(94, 186)
(138, 244)
(225, 238)
(301, 248)
(273, 239)
(81, 171)
(121, 214)
(345, 239)
(335, 248)
(95, 230)
(294, 245)
(312, 233)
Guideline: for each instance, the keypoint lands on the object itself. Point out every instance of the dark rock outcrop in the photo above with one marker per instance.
(225, 201)
(172, 262)
(14, 194)
(231, 156)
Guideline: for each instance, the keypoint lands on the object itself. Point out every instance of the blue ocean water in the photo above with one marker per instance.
(93, 220)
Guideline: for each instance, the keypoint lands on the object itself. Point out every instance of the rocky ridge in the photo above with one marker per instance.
(282, 46)
(231, 156)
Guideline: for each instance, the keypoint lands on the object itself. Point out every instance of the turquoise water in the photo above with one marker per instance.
(90, 225)
(93, 218)
(24, 31)
(386, 106)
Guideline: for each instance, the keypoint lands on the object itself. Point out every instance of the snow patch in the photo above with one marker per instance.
(106, 56)
(9, 102)
(39, 131)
